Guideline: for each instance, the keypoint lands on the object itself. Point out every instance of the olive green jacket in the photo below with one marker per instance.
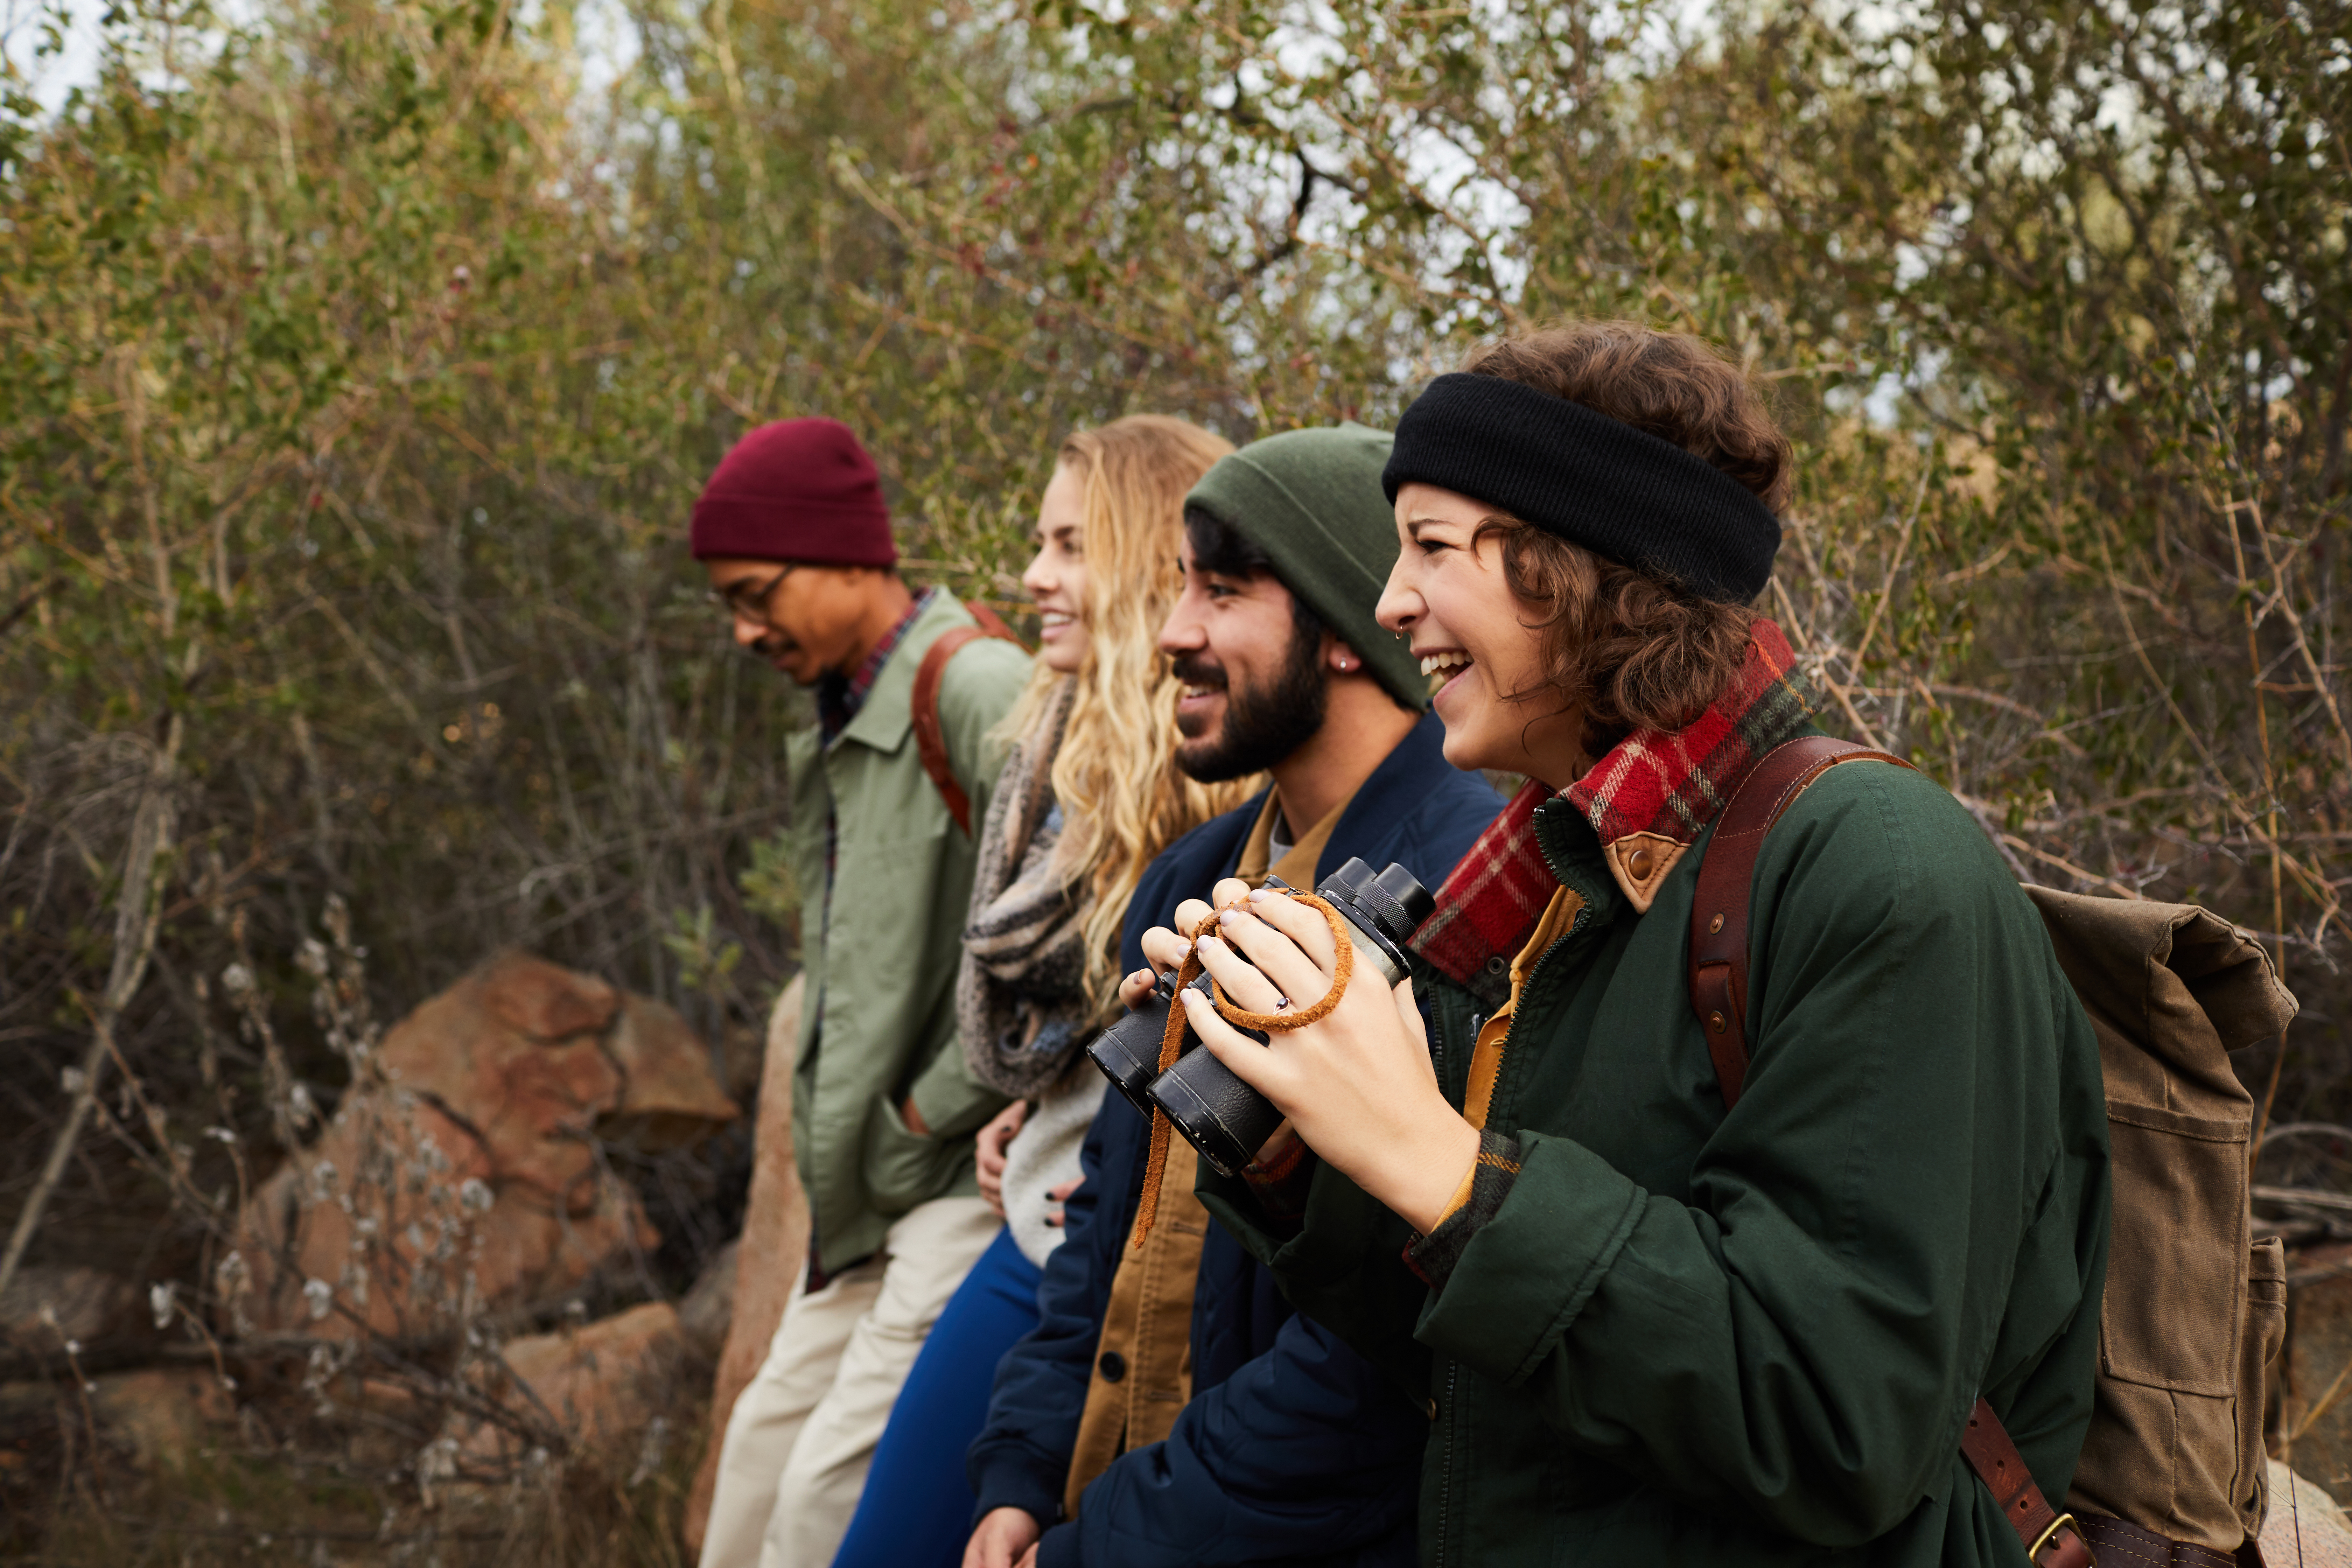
(881, 940)
(1685, 1337)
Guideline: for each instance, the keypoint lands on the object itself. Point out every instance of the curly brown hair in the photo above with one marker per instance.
(1627, 649)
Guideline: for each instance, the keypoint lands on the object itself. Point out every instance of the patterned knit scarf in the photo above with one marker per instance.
(1021, 1005)
(1668, 784)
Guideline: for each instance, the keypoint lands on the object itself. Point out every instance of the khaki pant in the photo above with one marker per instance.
(802, 1433)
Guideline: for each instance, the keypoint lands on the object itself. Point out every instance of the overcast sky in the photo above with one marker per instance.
(51, 79)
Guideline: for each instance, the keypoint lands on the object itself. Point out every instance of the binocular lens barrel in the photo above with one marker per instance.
(1226, 1119)
(1127, 1052)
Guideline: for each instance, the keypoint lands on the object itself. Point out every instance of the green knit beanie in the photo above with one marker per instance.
(1312, 500)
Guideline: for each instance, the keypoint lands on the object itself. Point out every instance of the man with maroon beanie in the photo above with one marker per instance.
(794, 536)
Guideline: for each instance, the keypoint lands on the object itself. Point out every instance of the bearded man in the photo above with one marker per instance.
(1170, 1408)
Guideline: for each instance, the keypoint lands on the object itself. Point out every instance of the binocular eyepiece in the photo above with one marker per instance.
(1224, 1117)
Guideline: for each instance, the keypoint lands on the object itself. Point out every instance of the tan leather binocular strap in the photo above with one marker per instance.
(1171, 1040)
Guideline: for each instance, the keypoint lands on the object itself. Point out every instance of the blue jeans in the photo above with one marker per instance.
(915, 1512)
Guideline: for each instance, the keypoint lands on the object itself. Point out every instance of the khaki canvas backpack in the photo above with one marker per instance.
(2173, 1471)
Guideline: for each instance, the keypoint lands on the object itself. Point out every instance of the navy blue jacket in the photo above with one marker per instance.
(1293, 1449)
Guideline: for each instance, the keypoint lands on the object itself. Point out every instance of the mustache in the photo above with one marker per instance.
(1197, 669)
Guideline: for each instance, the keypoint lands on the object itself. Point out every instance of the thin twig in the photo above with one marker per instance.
(2122, 889)
(1886, 588)
(137, 915)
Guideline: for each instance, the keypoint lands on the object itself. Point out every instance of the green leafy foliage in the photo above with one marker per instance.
(358, 365)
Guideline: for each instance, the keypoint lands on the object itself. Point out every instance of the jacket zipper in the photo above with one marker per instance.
(1445, 1474)
(1443, 1411)
(1511, 1030)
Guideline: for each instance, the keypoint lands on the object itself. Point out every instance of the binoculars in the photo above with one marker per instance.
(1224, 1117)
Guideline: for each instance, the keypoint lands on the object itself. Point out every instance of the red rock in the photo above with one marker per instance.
(2315, 1369)
(477, 1050)
(709, 1305)
(768, 1259)
(530, 1254)
(2303, 1526)
(468, 1179)
(544, 1000)
(48, 1305)
(601, 1383)
(161, 1413)
(362, 1211)
(669, 1096)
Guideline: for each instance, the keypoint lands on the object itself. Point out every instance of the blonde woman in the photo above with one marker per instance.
(1087, 800)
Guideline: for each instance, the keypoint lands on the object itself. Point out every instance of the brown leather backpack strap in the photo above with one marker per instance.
(993, 625)
(2050, 1538)
(930, 735)
(1719, 994)
(2124, 1544)
(1719, 933)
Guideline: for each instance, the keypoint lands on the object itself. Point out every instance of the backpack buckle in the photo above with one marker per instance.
(2050, 1532)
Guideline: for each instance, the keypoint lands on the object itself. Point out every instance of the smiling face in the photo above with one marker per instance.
(1449, 592)
(1253, 678)
(1056, 579)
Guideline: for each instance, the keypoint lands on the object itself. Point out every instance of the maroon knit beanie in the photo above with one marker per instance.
(799, 489)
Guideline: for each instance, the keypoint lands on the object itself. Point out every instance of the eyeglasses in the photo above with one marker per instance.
(749, 602)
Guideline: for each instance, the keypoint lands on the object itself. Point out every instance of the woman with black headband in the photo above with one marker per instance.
(1701, 1235)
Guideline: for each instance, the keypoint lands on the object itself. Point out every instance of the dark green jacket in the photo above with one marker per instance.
(1688, 1338)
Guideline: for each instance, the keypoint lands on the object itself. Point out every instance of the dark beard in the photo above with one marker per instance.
(1263, 723)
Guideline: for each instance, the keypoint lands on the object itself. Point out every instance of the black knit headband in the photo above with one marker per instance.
(1620, 492)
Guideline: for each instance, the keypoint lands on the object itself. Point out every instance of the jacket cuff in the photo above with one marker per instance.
(1476, 1202)
(1281, 1187)
(1058, 1548)
(1001, 1476)
(1522, 1277)
(950, 1101)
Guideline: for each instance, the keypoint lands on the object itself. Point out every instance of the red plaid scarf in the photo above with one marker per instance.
(1650, 782)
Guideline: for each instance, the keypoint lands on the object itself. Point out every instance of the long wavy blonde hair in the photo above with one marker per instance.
(1123, 799)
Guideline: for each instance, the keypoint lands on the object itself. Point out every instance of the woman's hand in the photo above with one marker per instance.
(1358, 1084)
(1164, 949)
(988, 1153)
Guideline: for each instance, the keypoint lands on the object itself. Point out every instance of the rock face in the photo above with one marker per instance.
(768, 1259)
(600, 1387)
(2303, 1525)
(49, 1306)
(467, 1178)
(2316, 1367)
(161, 1415)
(706, 1308)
